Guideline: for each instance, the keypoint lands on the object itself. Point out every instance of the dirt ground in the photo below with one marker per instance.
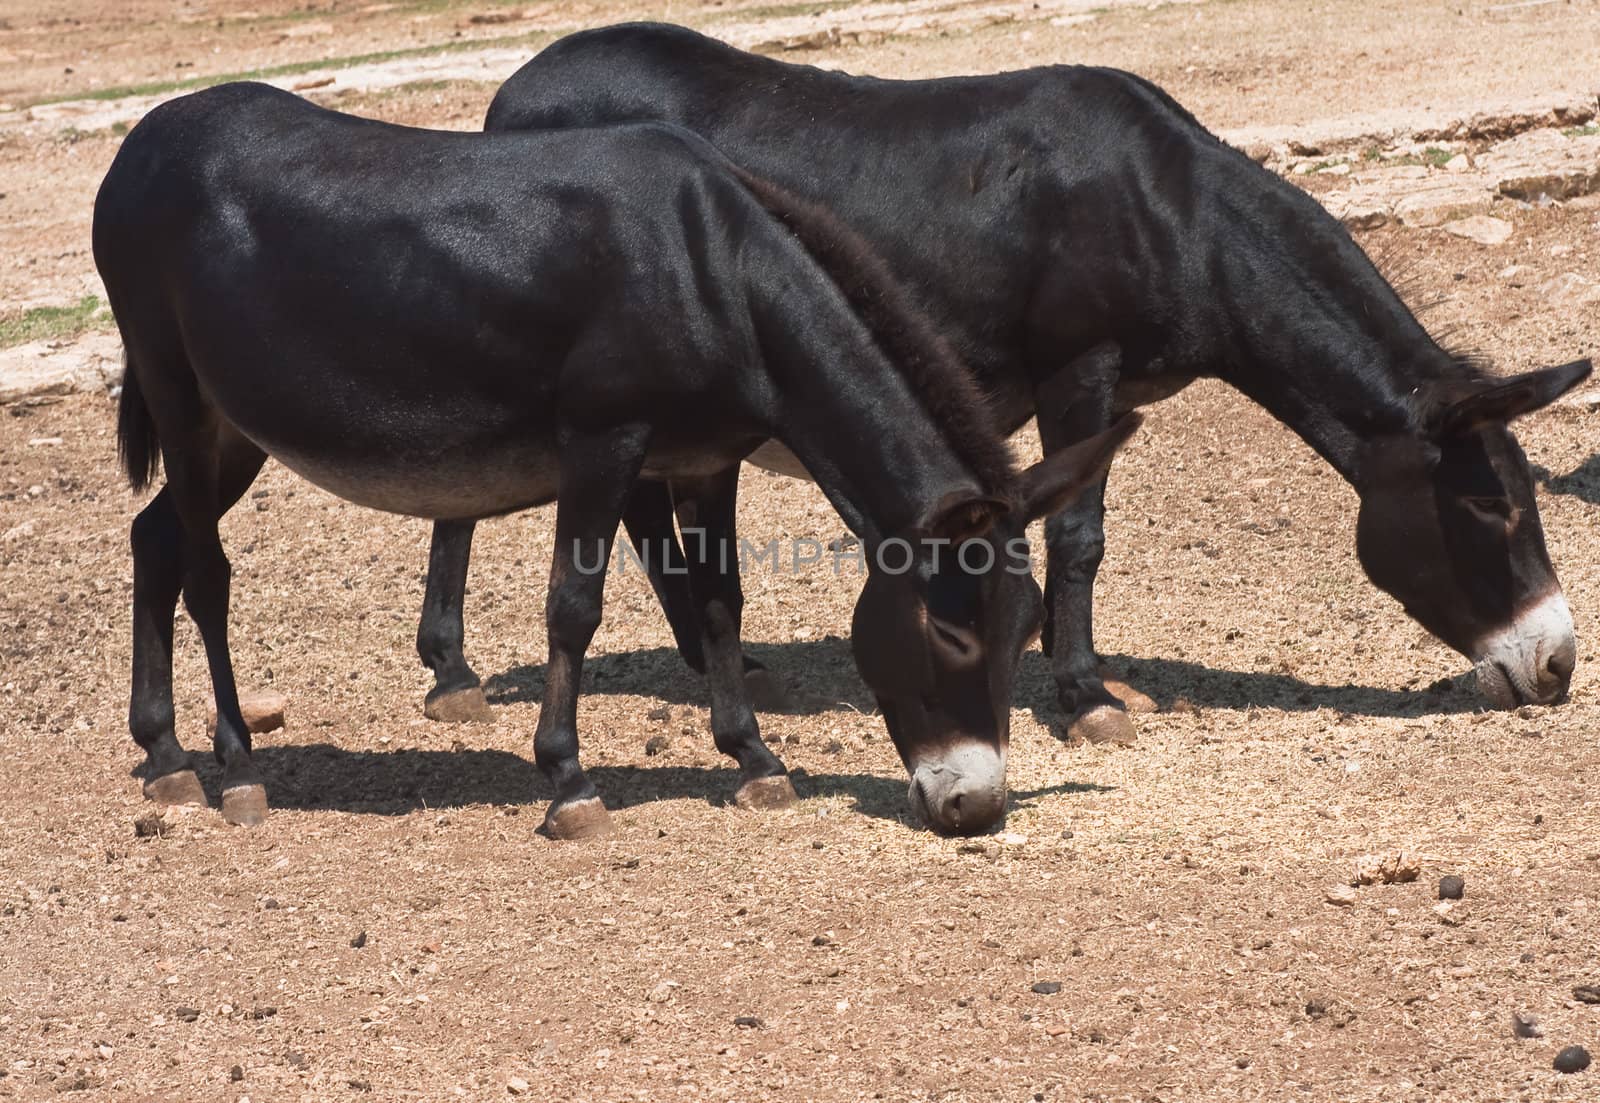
(397, 930)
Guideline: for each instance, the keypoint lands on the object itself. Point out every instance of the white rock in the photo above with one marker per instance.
(1483, 229)
(1341, 896)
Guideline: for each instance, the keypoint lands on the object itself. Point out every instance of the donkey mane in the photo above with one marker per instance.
(941, 383)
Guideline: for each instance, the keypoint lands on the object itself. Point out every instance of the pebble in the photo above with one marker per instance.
(1452, 887)
(1571, 1059)
(151, 826)
(1341, 896)
(186, 1014)
(359, 941)
(1047, 987)
(746, 1022)
(516, 1085)
(236, 1073)
(821, 940)
(661, 713)
(1587, 993)
(1525, 1024)
(1387, 869)
(656, 744)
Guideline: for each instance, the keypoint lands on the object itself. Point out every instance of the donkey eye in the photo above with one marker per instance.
(1490, 509)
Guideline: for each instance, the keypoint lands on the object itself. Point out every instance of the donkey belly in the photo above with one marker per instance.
(465, 484)
(773, 456)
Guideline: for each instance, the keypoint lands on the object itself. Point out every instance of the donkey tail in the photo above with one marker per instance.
(138, 447)
(898, 324)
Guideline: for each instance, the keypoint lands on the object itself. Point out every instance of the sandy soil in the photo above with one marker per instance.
(1175, 890)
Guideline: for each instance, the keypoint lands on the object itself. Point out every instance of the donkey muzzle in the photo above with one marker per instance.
(1530, 661)
(963, 792)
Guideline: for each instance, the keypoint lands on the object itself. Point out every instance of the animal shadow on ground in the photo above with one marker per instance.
(322, 777)
(1582, 482)
(822, 678)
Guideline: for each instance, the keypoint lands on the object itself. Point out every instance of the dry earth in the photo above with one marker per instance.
(1175, 891)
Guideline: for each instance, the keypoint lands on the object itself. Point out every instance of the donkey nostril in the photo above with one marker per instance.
(1560, 664)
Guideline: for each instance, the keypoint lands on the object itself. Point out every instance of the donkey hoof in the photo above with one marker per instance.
(1102, 724)
(178, 787)
(578, 819)
(245, 805)
(767, 692)
(1132, 699)
(766, 794)
(459, 706)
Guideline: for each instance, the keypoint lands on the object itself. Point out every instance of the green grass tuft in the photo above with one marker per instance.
(52, 323)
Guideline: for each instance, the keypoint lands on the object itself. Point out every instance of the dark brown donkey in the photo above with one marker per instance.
(1091, 248)
(456, 325)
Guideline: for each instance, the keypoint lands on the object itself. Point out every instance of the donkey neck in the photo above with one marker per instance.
(1312, 332)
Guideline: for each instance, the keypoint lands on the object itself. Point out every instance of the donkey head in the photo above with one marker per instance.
(1449, 528)
(942, 622)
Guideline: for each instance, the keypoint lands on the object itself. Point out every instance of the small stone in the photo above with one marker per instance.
(656, 744)
(270, 904)
(263, 711)
(821, 940)
(151, 826)
(104, 1052)
(1525, 1024)
(746, 1022)
(236, 1073)
(1587, 993)
(1526, 959)
(1482, 228)
(359, 941)
(1340, 896)
(1047, 987)
(1452, 887)
(516, 1085)
(660, 713)
(1571, 1059)
(297, 1059)
(1459, 163)
(1450, 913)
(186, 1014)
(1067, 834)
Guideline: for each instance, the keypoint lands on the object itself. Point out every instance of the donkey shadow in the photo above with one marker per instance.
(1582, 482)
(321, 777)
(822, 678)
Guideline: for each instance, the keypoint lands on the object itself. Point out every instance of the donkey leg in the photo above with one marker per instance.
(597, 474)
(713, 562)
(1073, 405)
(157, 539)
(648, 520)
(205, 483)
(457, 694)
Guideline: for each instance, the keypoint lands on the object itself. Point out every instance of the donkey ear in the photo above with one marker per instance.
(1058, 479)
(1521, 394)
(960, 518)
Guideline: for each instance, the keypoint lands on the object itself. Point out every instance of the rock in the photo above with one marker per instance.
(1340, 169)
(516, 1085)
(1459, 163)
(263, 711)
(1525, 1024)
(657, 744)
(359, 941)
(660, 713)
(92, 362)
(821, 940)
(186, 1014)
(1588, 401)
(746, 1022)
(1481, 228)
(1450, 913)
(1340, 896)
(1047, 987)
(236, 1073)
(18, 532)
(1398, 868)
(1452, 887)
(151, 826)
(1571, 1059)
(1360, 214)
(1587, 993)
(1437, 205)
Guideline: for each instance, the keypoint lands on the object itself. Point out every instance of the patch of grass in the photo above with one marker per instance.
(52, 323)
(1436, 157)
(1581, 131)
